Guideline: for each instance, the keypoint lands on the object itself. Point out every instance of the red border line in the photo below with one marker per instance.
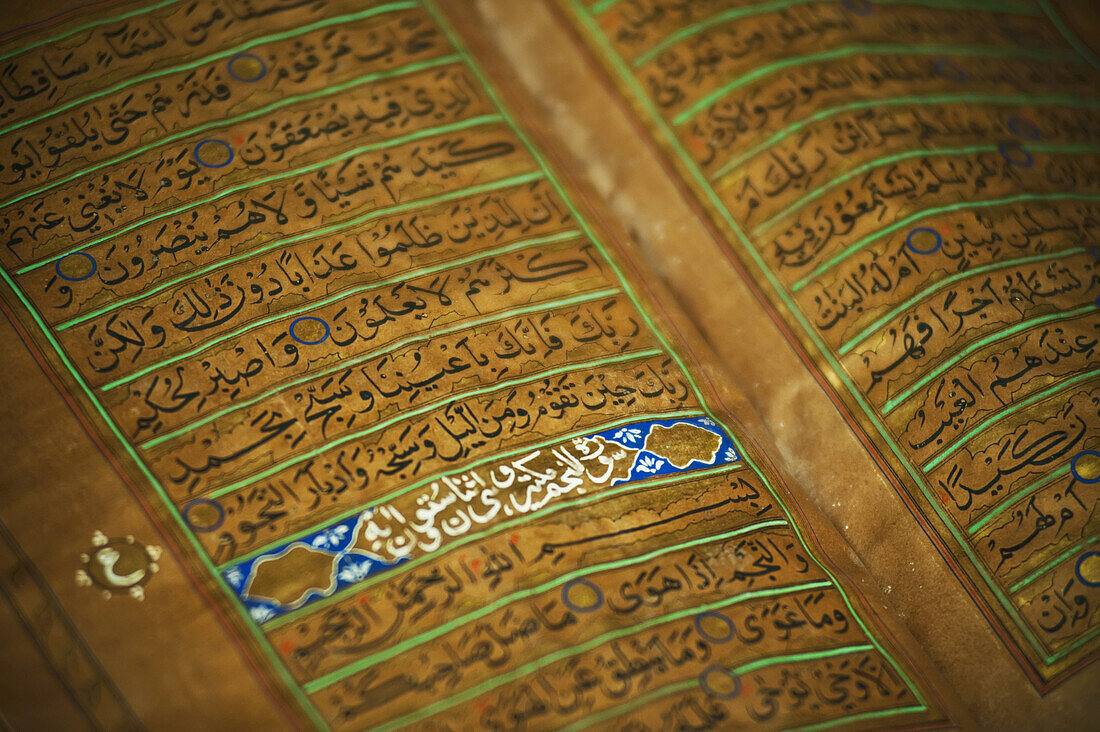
(165, 536)
(969, 586)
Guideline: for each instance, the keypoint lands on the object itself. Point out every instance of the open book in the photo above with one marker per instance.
(550, 364)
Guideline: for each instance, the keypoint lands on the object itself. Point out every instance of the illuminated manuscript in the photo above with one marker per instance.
(913, 186)
(337, 396)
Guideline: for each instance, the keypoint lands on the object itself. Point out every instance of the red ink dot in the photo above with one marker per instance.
(481, 707)
(514, 538)
(238, 139)
(363, 599)
(287, 647)
(476, 563)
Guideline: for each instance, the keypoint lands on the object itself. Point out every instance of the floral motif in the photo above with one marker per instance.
(651, 447)
(649, 464)
(330, 538)
(118, 565)
(235, 577)
(355, 571)
(261, 613)
(628, 435)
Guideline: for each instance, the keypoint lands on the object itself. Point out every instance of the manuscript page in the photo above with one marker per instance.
(332, 399)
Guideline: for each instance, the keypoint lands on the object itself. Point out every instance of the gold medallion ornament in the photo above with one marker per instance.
(118, 565)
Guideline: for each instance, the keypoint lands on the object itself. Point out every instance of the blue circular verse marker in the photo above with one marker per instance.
(1093, 570)
(581, 608)
(1024, 128)
(1073, 466)
(731, 631)
(204, 502)
(309, 343)
(216, 142)
(949, 70)
(248, 67)
(89, 257)
(924, 230)
(1008, 151)
(727, 678)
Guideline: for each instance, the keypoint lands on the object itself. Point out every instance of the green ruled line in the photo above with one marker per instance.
(978, 345)
(1070, 36)
(340, 295)
(727, 16)
(565, 653)
(1013, 498)
(506, 455)
(274, 37)
(748, 668)
(1053, 563)
(635, 703)
(412, 413)
(590, 28)
(229, 121)
(444, 628)
(1052, 148)
(946, 282)
(870, 48)
(496, 386)
(375, 428)
(603, 5)
(340, 517)
(694, 29)
(860, 717)
(312, 306)
(346, 363)
(1045, 100)
(935, 211)
(411, 137)
(1066, 650)
(1017, 407)
(631, 487)
(349, 362)
(266, 651)
(696, 174)
(312, 233)
(688, 685)
(673, 353)
(87, 26)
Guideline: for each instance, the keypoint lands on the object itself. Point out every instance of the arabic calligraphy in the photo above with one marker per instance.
(343, 321)
(920, 186)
